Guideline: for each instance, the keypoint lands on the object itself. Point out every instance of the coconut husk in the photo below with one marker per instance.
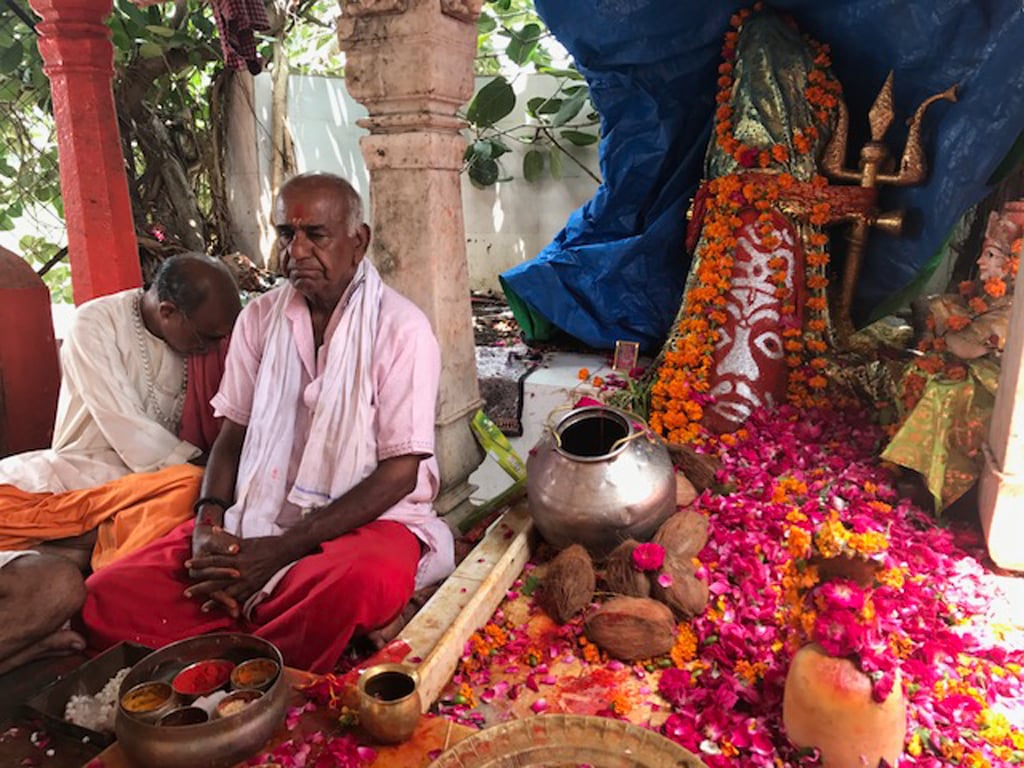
(621, 577)
(859, 570)
(686, 595)
(685, 492)
(631, 628)
(699, 468)
(569, 584)
(683, 535)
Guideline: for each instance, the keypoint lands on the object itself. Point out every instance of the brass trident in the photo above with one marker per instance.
(875, 168)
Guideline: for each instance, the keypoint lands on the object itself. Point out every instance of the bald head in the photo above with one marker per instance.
(188, 280)
(333, 185)
(192, 303)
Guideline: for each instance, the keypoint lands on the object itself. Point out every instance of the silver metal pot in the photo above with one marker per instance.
(598, 477)
(220, 742)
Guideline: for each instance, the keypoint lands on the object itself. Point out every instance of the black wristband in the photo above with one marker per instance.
(210, 500)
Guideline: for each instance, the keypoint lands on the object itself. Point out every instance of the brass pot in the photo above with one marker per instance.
(389, 702)
(219, 743)
(598, 477)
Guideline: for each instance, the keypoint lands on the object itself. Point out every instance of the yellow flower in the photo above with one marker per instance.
(914, 746)
(892, 577)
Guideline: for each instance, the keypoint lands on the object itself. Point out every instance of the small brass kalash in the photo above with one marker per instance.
(597, 477)
(389, 702)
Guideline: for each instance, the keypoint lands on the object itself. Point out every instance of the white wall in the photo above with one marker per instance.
(505, 224)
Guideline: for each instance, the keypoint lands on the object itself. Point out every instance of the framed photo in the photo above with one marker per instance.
(626, 355)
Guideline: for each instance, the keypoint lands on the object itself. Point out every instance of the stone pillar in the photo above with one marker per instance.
(79, 60)
(410, 62)
(1001, 487)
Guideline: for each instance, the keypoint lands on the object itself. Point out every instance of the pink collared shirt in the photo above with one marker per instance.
(406, 374)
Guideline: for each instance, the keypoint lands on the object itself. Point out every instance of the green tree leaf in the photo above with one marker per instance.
(149, 50)
(533, 165)
(579, 138)
(556, 163)
(484, 172)
(10, 58)
(572, 74)
(481, 148)
(523, 43)
(160, 30)
(570, 108)
(540, 105)
(485, 24)
(498, 147)
(491, 103)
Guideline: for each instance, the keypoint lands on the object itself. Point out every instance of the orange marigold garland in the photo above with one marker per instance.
(680, 391)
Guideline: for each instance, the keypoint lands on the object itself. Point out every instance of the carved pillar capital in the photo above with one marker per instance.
(73, 36)
(79, 60)
(409, 61)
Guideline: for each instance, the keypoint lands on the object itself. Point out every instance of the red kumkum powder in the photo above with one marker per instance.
(203, 677)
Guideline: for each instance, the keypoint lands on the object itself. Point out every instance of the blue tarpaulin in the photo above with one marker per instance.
(616, 271)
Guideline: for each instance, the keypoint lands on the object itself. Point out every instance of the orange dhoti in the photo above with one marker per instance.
(129, 512)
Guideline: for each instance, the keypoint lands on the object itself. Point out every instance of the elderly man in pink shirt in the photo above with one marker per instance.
(315, 516)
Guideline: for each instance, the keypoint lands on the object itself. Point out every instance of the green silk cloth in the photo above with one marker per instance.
(942, 436)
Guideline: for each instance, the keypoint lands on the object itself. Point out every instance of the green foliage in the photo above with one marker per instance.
(512, 40)
(492, 103)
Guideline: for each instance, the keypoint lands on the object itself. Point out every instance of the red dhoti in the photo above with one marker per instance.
(354, 584)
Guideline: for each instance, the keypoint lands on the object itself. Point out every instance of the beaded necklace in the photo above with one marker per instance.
(169, 422)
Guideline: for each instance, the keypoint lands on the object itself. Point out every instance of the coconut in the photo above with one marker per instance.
(631, 628)
(619, 574)
(699, 468)
(683, 535)
(685, 492)
(569, 584)
(685, 594)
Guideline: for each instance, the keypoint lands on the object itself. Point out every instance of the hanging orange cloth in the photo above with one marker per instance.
(130, 512)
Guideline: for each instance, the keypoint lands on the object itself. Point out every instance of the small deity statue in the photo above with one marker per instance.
(946, 395)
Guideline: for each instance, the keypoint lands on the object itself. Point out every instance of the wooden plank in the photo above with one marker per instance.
(440, 630)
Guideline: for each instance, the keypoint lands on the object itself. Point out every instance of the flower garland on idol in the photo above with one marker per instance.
(679, 392)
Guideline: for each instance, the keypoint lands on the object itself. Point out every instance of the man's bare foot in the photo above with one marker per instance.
(60, 643)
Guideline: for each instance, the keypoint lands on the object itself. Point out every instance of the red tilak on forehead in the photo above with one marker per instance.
(299, 212)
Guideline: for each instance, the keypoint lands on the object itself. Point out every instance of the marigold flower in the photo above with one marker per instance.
(957, 322)
(996, 287)
(583, 374)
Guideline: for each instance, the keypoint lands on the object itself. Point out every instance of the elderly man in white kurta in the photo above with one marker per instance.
(123, 379)
(116, 475)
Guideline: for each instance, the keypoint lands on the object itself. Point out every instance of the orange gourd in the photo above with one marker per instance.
(827, 704)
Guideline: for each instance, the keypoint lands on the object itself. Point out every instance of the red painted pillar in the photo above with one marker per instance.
(79, 60)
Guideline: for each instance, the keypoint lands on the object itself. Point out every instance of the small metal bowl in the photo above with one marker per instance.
(184, 716)
(235, 702)
(255, 674)
(150, 701)
(202, 678)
